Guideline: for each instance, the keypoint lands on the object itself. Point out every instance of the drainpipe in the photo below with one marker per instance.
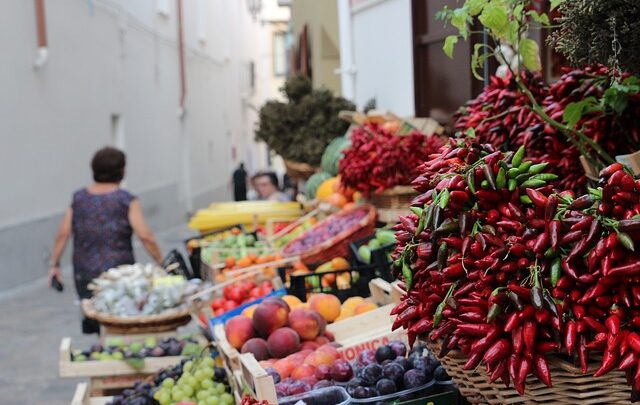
(183, 80)
(41, 27)
(347, 69)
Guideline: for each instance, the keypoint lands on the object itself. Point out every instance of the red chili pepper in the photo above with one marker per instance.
(546, 347)
(517, 340)
(498, 351)
(529, 336)
(628, 360)
(525, 367)
(538, 199)
(499, 370)
(594, 325)
(583, 353)
(512, 322)
(406, 315)
(627, 270)
(542, 370)
(613, 324)
(582, 224)
(570, 336)
(611, 169)
(471, 329)
(634, 341)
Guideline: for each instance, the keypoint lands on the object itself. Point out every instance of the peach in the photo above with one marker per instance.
(309, 344)
(284, 367)
(365, 307)
(267, 363)
(283, 342)
(321, 340)
(305, 323)
(299, 357)
(329, 349)
(271, 314)
(326, 305)
(249, 311)
(239, 329)
(292, 301)
(349, 306)
(320, 357)
(258, 347)
(303, 370)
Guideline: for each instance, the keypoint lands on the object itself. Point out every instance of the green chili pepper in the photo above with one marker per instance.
(437, 316)
(533, 183)
(549, 253)
(525, 199)
(421, 222)
(416, 210)
(626, 241)
(489, 176)
(444, 198)
(486, 228)
(517, 158)
(545, 177)
(513, 172)
(523, 177)
(429, 216)
(501, 179)
(471, 181)
(513, 184)
(503, 165)
(556, 271)
(493, 313)
(408, 275)
(443, 252)
(484, 184)
(535, 169)
(525, 166)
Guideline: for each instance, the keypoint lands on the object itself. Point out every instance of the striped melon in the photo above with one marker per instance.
(333, 153)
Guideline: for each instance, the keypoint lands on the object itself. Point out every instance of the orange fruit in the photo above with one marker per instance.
(261, 260)
(339, 263)
(337, 200)
(364, 307)
(327, 305)
(229, 262)
(292, 301)
(235, 231)
(244, 262)
(253, 257)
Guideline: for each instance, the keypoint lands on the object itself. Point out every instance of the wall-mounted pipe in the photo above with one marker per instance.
(183, 79)
(41, 28)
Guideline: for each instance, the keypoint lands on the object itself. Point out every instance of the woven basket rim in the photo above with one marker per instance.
(139, 320)
(337, 239)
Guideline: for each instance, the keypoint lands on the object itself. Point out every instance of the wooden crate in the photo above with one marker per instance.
(380, 292)
(229, 354)
(366, 331)
(82, 396)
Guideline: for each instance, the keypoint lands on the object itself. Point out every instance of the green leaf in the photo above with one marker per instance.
(494, 16)
(530, 54)
(470, 133)
(449, 43)
(459, 19)
(477, 60)
(616, 99)
(475, 6)
(573, 113)
(556, 3)
(541, 19)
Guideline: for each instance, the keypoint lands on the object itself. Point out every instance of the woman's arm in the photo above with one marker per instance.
(136, 219)
(64, 231)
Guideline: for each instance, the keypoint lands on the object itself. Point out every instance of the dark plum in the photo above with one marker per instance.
(387, 361)
(414, 378)
(157, 352)
(394, 372)
(366, 357)
(398, 347)
(353, 384)
(371, 374)
(282, 389)
(341, 370)
(385, 353)
(298, 387)
(364, 392)
(440, 374)
(323, 384)
(419, 348)
(385, 386)
(274, 374)
(323, 372)
(404, 362)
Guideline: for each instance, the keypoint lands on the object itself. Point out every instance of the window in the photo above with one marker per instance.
(279, 53)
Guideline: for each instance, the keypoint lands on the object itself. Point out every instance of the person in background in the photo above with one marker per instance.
(266, 185)
(239, 180)
(102, 219)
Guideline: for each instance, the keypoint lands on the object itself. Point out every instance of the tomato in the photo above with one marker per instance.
(227, 291)
(218, 312)
(255, 293)
(217, 303)
(237, 294)
(229, 305)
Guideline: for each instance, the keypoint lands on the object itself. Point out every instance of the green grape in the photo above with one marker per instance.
(177, 395)
(168, 383)
(201, 395)
(227, 399)
(182, 381)
(208, 372)
(156, 396)
(213, 401)
(188, 390)
(164, 398)
(192, 382)
(206, 384)
(208, 362)
(187, 366)
(200, 375)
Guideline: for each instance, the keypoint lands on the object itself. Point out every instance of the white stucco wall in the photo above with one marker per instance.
(383, 54)
(119, 57)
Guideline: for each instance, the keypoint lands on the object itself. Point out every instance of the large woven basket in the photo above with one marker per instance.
(570, 386)
(299, 170)
(338, 246)
(166, 321)
(395, 198)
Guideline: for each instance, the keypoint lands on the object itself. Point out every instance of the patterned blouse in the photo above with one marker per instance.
(101, 234)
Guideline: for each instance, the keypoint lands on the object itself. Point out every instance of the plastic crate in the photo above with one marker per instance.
(341, 283)
(379, 257)
(195, 258)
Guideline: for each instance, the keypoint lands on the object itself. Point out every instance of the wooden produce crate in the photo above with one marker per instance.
(366, 331)
(82, 396)
(229, 354)
(109, 374)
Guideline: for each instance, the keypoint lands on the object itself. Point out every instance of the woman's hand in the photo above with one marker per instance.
(54, 271)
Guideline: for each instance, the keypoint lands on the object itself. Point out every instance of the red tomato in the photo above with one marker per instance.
(265, 289)
(217, 303)
(255, 293)
(227, 291)
(218, 311)
(229, 305)
(237, 294)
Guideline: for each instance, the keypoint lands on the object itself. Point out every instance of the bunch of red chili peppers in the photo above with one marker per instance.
(378, 160)
(248, 400)
(501, 115)
(498, 264)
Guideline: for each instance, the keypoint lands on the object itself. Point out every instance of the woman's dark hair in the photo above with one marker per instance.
(108, 165)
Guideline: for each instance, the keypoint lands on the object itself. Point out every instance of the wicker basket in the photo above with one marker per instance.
(166, 321)
(570, 386)
(338, 246)
(395, 198)
(298, 170)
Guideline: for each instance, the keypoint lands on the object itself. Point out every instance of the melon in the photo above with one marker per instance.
(333, 153)
(314, 182)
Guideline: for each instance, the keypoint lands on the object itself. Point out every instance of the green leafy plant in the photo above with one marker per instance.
(508, 22)
(301, 128)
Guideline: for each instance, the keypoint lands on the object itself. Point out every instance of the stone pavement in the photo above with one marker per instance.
(33, 321)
